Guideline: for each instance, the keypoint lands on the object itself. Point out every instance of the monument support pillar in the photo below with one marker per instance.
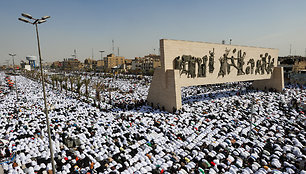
(164, 91)
(276, 81)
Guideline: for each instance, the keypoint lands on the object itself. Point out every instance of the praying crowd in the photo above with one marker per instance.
(224, 128)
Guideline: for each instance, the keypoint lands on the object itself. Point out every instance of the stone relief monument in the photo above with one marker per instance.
(185, 63)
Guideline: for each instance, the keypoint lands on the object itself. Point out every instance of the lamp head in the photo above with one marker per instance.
(26, 15)
(45, 17)
(24, 20)
(40, 21)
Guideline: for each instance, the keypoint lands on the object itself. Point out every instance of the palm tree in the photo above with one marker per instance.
(60, 79)
(86, 83)
(53, 79)
(56, 80)
(37, 76)
(65, 78)
(98, 87)
(110, 95)
(46, 78)
(79, 85)
(71, 80)
(32, 75)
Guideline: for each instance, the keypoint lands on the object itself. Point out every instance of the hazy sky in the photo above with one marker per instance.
(137, 25)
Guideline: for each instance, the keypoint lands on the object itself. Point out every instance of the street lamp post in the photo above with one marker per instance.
(13, 55)
(35, 22)
(251, 116)
(101, 54)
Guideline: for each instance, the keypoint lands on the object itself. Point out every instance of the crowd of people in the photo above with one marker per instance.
(228, 128)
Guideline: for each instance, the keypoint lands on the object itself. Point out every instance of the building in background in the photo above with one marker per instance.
(90, 64)
(56, 65)
(137, 64)
(294, 69)
(146, 63)
(72, 64)
(128, 64)
(150, 62)
(100, 65)
(113, 62)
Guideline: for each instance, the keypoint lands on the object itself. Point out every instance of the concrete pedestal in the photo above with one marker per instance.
(164, 92)
(276, 81)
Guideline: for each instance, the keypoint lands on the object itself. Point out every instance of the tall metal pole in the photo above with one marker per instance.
(110, 96)
(13, 55)
(101, 54)
(251, 117)
(45, 101)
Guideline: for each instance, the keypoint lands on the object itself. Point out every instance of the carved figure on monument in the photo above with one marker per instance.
(203, 66)
(177, 63)
(232, 61)
(199, 62)
(270, 65)
(191, 67)
(211, 61)
(223, 63)
(258, 67)
(250, 69)
(185, 60)
(240, 62)
(263, 63)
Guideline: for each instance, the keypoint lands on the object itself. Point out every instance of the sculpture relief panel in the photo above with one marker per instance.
(230, 60)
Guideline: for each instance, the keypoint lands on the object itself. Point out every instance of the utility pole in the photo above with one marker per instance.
(35, 22)
(101, 54)
(110, 95)
(13, 55)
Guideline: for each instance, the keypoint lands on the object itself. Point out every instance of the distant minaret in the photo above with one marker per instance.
(118, 51)
(290, 50)
(113, 46)
(75, 56)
